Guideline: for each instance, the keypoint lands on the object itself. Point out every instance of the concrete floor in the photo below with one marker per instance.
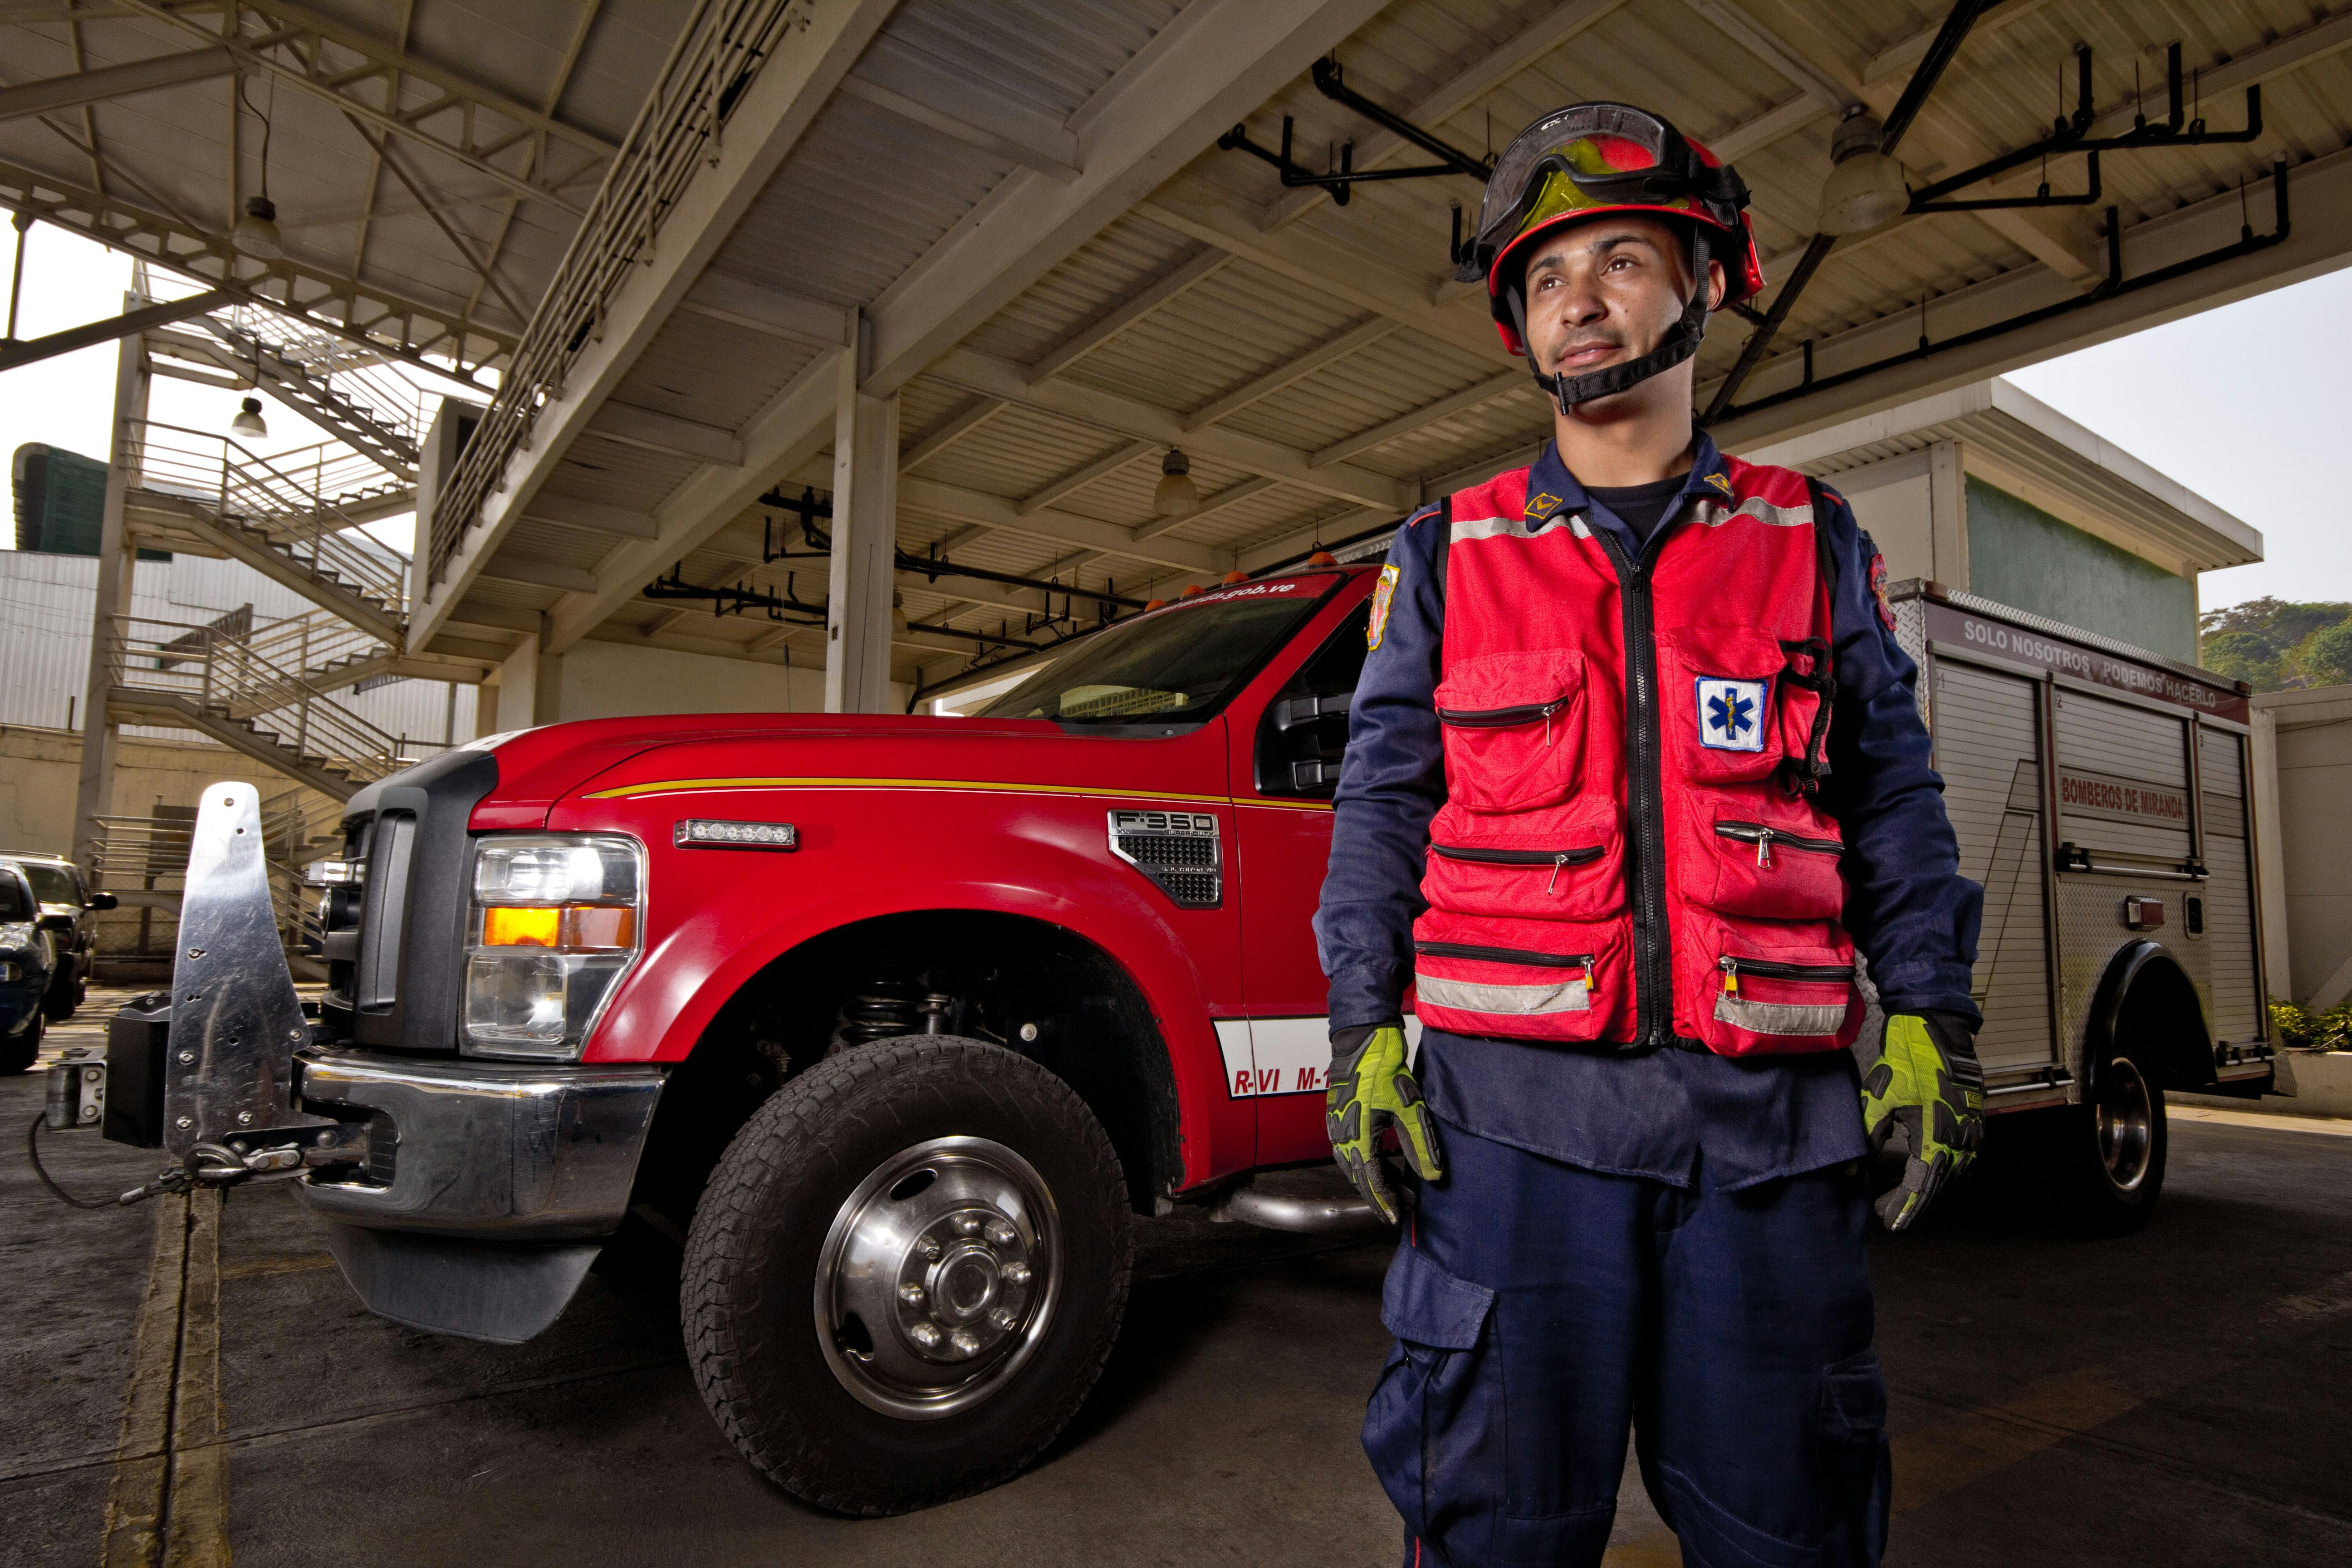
(2175, 1398)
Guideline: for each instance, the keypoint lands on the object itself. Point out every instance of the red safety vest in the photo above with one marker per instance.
(1629, 850)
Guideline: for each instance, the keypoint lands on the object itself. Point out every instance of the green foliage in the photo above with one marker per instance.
(2328, 1031)
(2278, 645)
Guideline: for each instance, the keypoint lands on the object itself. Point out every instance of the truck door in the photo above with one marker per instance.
(1283, 783)
(1988, 733)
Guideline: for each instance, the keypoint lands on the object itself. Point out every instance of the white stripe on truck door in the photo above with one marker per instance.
(1284, 1056)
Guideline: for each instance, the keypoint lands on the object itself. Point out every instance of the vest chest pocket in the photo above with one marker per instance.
(1774, 871)
(1721, 702)
(1513, 726)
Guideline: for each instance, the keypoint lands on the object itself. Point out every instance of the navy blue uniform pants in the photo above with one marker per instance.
(1542, 1311)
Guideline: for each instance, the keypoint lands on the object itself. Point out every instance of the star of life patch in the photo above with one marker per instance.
(1731, 713)
(1878, 590)
(1383, 595)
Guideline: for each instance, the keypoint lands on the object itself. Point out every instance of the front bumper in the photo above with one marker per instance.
(500, 1152)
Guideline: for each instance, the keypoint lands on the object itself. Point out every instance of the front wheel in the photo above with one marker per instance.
(18, 1051)
(906, 1273)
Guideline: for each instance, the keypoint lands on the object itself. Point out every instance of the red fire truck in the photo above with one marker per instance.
(898, 1021)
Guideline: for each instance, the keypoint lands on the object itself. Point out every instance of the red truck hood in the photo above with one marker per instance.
(538, 768)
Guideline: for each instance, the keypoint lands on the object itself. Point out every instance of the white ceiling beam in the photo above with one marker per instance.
(1744, 30)
(1126, 315)
(1297, 368)
(107, 82)
(1126, 416)
(473, 615)
(1213, 63)
(980, 412)
(1405, 423)
(1056, 527)
(1080, 478)
(899, 79)
(1891, 67)
(2292, 52)
(794, 427)
(1331, 270)
(738, 301)
(1230, 495)
(1205, 69)
(1466, 87)
(507, 567)
(1753, 135)
(783, 100)
(568, 511)
(659, 432)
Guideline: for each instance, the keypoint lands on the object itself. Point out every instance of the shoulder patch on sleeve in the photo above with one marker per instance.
(1385, 595)
(1878, 590)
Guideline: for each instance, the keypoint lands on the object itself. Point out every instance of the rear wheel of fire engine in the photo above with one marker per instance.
(2111, 1148)
(18, 1050)
(906, 1273)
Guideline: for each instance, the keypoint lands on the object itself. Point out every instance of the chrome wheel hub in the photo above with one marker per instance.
(2126, 1118)
(938, 1276)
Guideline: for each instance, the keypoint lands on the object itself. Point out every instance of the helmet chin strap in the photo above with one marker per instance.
(1681, 341)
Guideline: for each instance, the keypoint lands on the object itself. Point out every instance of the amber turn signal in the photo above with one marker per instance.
(571, 927)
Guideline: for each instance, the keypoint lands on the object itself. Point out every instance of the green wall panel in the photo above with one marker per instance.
(2022, 556)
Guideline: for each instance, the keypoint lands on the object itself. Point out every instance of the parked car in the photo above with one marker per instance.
(59, 888)
(28, 959)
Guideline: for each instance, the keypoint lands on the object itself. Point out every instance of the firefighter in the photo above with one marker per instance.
(1634, 768)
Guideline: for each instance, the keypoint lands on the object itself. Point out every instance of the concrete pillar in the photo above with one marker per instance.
(865, 544)
(2270, 852)
(116, 558)
(518, 689)
(1948, 513)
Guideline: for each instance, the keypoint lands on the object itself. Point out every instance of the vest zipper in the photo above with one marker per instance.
(1506, 955)
(1555, 858)
(1503, 718)
(1774, 969)
(1653, 1018)
(1764, 838)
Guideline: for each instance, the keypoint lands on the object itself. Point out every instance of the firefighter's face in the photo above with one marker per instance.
(1606, 291)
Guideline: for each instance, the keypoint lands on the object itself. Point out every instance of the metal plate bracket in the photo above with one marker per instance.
(236, 1019)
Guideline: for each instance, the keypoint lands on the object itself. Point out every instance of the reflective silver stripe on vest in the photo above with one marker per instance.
(1501, 527)
(1774, 1017)
(1714, 514)
(1467, 996)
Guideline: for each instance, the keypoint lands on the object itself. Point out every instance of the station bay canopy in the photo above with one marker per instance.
(808, 298)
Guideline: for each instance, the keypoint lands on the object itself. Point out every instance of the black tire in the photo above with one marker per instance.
(2106, 1155)
(62, 998)
(18, 1050)
(794, 1391)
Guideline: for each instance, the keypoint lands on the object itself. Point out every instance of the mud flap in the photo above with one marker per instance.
(502, 1291)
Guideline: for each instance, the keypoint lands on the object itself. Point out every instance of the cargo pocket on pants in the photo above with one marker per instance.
(1857, 1468)
(1433, 1428)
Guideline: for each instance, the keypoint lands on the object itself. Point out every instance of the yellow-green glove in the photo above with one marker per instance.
(1929, 1081)
(1371, 1088)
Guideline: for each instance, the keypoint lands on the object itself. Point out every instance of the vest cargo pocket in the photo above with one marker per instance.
(1521, 979)
(1574, 870)
(1434, 1428)
(1758, 987)
(1513, 726)
(1721, 688)
(1776, 871)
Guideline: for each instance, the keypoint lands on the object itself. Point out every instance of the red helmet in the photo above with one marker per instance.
(1592, 158)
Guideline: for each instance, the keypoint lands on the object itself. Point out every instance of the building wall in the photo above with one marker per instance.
(2310, 737)
(2021, 556)
(613, 680)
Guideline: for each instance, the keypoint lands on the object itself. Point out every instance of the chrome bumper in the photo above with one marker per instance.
(506, 1151)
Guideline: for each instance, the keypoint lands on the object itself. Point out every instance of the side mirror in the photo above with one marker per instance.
(104, 902)
(57, 923)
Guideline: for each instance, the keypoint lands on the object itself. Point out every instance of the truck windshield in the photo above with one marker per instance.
(1183, 662)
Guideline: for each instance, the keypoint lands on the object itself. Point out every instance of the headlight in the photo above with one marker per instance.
(18, 934)
(556, 920)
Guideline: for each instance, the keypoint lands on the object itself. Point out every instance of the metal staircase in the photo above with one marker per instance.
(337, 385)
(143, 861)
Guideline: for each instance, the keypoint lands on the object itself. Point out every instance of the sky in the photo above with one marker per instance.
(2235, 403)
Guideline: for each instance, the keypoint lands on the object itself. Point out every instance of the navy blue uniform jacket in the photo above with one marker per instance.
(1663, 1115)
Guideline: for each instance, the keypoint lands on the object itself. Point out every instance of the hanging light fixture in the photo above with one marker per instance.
(255, 232)
(248, 420)
(1177, 494)
(1865, 187)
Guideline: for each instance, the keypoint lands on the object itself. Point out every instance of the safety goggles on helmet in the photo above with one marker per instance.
(1592, 158)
